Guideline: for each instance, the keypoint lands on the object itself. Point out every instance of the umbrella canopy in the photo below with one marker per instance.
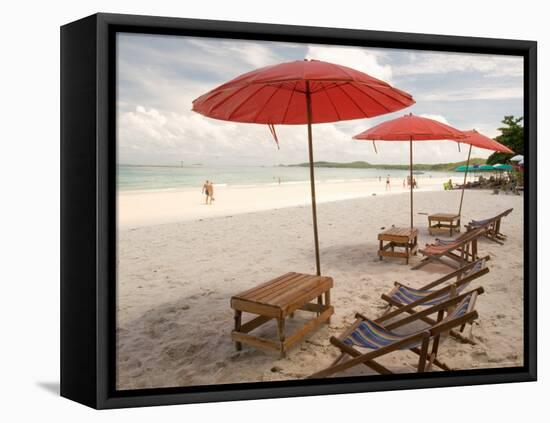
(518, 158)
(302, 92)
(475, 168)
(278, 95)
(503, 167)
(410, 128)
(478, 140)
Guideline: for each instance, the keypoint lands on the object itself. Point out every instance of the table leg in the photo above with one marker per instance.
(281, 331)
(327, 302)
(407, 252)
(238, 322)
(381, 248)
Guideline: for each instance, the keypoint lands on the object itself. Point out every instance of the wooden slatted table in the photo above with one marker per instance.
(449, 221)
(278, 299)
(405, 239)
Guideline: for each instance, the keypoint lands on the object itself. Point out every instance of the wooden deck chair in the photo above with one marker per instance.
(404, 299)
(367, 334)
(461, 250)
(492, 226)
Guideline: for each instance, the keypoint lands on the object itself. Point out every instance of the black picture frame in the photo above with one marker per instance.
(88, 226)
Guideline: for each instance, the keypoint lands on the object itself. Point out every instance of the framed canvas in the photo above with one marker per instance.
(259, 211)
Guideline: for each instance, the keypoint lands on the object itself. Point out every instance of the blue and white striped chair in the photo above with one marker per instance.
(406, 299)
(381, 339)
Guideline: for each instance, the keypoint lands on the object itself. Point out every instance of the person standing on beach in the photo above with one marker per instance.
(210, 190)
(205, 191)
(388, 186)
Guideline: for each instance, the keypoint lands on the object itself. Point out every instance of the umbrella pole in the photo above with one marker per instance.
(411, 175)
(312, 179)
(464, 183)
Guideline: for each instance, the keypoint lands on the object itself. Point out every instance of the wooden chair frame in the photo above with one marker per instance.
(457, 279)
(492, 227)
(431, 335)
(465, 246)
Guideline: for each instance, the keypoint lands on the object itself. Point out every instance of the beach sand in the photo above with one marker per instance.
(139, 208)
(175, 280)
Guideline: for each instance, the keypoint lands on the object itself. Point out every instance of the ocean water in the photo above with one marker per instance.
(157, 178)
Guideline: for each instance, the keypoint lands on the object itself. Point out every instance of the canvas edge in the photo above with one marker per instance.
(105, 397)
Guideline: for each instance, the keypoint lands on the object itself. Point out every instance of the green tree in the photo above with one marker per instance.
(511, 135)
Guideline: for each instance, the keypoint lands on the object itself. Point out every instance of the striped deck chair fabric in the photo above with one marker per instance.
(479, 223)
(369, 334)
(445, 242)
(407, 295)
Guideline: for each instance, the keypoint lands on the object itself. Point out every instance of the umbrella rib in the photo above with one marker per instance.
(233, 94)
(242, 103)
(265, 104)
(375, 88)
(352, 100)
(372, 98)
(289, 101)
(332, 104)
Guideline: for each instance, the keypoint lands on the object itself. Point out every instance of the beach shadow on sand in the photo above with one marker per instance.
(51, 387)
(364, 255)
(343, 257)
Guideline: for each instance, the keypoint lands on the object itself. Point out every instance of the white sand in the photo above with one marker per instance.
(175, 281)
(141, 208)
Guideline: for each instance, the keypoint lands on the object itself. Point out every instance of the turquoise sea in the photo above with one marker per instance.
(155, 178)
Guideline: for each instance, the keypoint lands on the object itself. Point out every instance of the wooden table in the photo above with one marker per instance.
(405, 239)
(445, 221)
(277, 299)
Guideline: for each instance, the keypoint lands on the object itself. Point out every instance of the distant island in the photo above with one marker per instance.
(439, 167)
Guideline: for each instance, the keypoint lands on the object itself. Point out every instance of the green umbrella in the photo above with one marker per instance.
(506, 167)
(475, 168)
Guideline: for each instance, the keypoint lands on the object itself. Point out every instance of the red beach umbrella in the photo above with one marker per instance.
(302, 92)
(475, 139)
(410, 128)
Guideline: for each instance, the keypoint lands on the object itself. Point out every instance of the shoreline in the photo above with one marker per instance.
(153, 207)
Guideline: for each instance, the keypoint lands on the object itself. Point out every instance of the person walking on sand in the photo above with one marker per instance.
(205, 191)
(388, 186)
(210, 189)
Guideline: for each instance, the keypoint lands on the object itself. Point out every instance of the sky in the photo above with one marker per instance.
(159, 76)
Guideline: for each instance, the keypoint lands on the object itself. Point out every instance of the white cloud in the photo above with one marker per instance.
(363, 60)
(474, 93)
(156, 124)
(170, 137)
(255, 54)
(438, 118)
(437, 63)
